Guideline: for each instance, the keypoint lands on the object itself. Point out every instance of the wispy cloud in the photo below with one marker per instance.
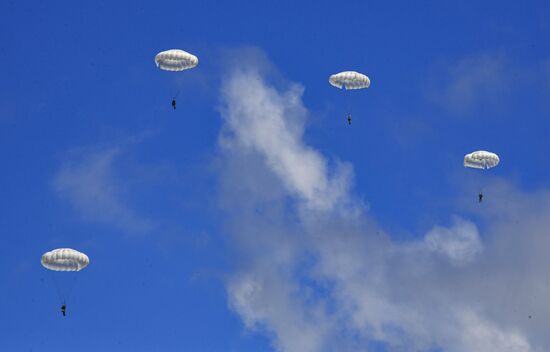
(259, 124)
(318, 274)
(460, 243)
(473, 81)
(88, 180)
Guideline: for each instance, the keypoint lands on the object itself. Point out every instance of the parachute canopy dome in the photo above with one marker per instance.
(175, 60)
(65, 259)
(349, 80)
(481, 160)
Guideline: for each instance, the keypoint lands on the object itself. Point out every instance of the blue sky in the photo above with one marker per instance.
(253, 218)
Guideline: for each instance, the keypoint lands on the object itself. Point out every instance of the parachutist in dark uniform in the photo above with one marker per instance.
(63, 309)
(349, 119)
(174, 103)
(480, 196)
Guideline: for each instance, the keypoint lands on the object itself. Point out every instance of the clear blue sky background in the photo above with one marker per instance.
(79, 77)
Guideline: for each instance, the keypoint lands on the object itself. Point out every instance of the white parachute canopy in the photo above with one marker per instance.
(65, 259)
(175, 60)
(349, 80)
(481, 159)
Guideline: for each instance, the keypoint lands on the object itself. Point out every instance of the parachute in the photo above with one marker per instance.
(175, 60)
(65, 259)
(481, 159)
(349, 80)
(63, 264)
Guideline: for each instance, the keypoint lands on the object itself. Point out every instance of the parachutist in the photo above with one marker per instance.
(480, 196)
(174, 103)
(349, 80)
(64, 260)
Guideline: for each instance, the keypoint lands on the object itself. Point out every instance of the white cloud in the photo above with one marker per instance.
(481, 335)
(473, 80)
(267, 300)
(460, 243)
(317, 273)
(87, 180)
(257, 116)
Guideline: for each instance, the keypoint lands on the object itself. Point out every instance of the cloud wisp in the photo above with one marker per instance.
(316, 273)
(259, 125)
(87, 180)
(474, 80)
